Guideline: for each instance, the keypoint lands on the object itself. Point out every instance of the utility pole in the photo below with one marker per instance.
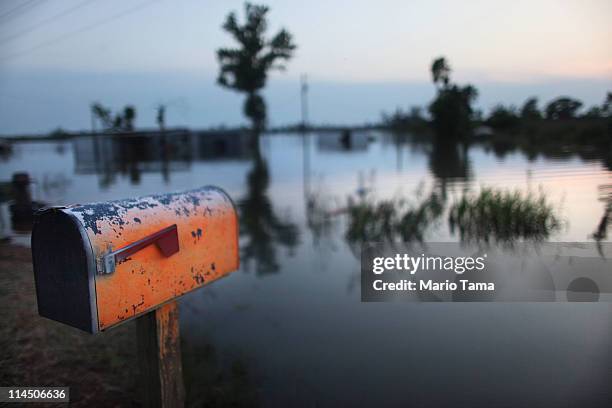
(304, 94)
(93, 119)
(161, 117)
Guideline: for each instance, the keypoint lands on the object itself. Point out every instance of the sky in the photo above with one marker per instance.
(361, 57)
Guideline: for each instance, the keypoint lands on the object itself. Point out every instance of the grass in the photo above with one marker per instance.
(392, 220)
(492, 215)
(101, 370)
(503, 216)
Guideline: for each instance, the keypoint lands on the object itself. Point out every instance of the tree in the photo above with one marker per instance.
(502, 117)
(594, 112)
(404, 120)
(129, 114)
(245, 68)
(122, 122)
(530, 110)
(562, 108)
(103, 115)
(440, 72)
(606, 108)
(452, 111)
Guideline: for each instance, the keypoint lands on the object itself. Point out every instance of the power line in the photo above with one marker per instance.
(18, 8)
(45, 21)
(76, 32)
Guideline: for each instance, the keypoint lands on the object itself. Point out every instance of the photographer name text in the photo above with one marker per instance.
(404, 263)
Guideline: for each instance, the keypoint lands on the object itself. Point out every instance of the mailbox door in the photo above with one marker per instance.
(206, 226)
(64, 270)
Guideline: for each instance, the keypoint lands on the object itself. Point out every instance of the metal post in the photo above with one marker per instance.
(93, 119)
(304, 100)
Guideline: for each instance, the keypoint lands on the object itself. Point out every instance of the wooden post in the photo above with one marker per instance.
(159, 356)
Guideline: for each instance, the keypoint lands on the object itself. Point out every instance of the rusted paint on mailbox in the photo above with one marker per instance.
(99, 264)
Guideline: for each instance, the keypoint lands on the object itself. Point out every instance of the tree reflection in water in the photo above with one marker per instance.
(260, 223)
(601, 232)
(449, 161)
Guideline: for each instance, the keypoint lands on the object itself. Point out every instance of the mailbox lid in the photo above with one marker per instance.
(207, 228)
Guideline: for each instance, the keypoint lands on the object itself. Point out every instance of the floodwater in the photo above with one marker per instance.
(292, 319)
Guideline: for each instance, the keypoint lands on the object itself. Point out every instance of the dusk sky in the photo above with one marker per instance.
(361, 57)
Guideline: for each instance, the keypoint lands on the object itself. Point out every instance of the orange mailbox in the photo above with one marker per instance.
(97, 265)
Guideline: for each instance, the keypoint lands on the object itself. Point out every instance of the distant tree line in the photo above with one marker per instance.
(562, 108)
(452, 113)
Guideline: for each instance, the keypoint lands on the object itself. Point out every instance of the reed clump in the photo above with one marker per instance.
(392, 220)
(503, 216)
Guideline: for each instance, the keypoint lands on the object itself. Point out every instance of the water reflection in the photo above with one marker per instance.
(164, 152)
(345, 140)
(601, 232)
(132, 154)
(587, 140)
(264, 229)
(305, 314)
(449, 161)
(209, 382)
